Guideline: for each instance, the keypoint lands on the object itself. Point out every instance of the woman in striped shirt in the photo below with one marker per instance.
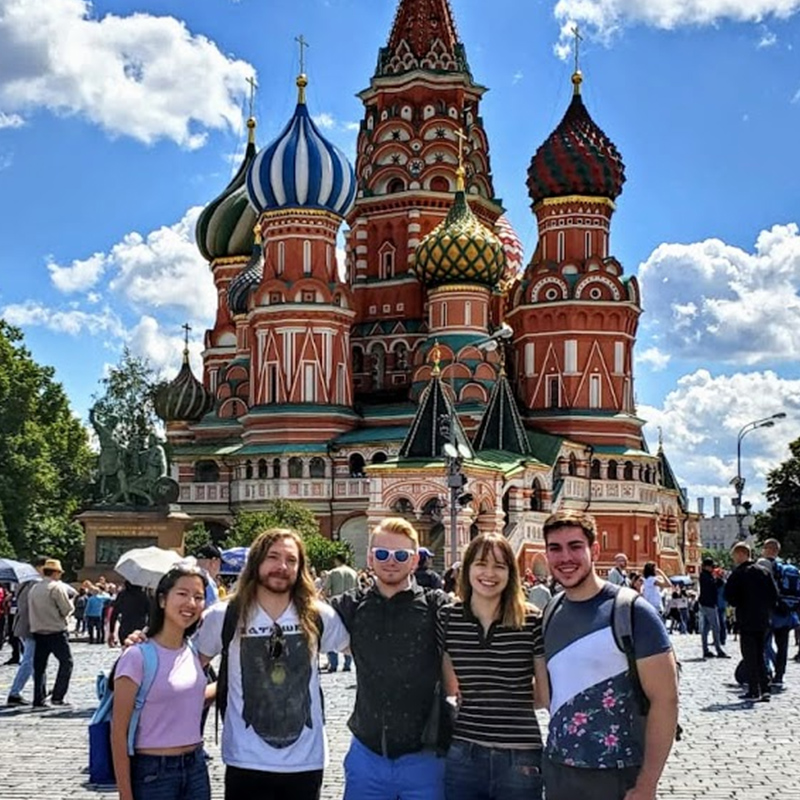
(494, 663)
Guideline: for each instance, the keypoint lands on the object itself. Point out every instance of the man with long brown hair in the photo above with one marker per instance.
(396, 642)
(270, 635)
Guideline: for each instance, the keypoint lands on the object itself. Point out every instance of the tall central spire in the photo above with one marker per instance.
(423, 37)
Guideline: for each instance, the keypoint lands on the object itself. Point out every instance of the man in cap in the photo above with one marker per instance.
(425, 575)
(209, 559)
(49, 607)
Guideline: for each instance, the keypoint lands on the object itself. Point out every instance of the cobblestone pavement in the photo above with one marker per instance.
(731, 749)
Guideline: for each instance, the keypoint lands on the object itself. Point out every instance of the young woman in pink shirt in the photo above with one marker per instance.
(168, 762)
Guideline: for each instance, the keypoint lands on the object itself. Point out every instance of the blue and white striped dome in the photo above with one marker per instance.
(301, 169)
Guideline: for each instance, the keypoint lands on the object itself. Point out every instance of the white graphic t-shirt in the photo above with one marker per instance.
(274, 719)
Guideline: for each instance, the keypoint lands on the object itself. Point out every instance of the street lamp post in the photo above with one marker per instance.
(739, 481)
(455, 454)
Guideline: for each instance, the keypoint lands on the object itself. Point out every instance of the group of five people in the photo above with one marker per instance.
(489, 653)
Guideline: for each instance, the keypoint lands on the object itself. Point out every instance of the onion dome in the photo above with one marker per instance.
(577, 158)
(515, 253)
(240, 287)
(183, 399)
(301, 169)
(225, 227)
(461, 249)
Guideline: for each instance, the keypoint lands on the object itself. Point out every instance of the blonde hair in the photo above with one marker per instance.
(513, 607)
(396, 525)
(303, 593)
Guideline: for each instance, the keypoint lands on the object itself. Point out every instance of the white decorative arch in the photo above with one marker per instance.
(593, 279)
(551, 280)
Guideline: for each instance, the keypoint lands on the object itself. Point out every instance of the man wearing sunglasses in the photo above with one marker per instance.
(394, 637)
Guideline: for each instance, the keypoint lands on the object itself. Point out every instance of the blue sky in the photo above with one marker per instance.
(119, 120)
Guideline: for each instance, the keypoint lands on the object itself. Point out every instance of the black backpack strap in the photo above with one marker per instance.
(623, 629)
(228, 632)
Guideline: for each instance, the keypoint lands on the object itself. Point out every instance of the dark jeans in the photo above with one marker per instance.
(474, 772)
(58, 645)
(782, 650)
(170, 777)
(94, 627)
(571, 783)
(752, 644)
(252, 783)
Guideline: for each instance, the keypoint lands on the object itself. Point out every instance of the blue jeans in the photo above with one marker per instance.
(333, 661)
(475, 772)
(368, 776)
(170, 777)
(25, 668)
(710, 622)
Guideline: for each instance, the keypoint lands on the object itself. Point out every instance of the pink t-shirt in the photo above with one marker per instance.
(173, 707)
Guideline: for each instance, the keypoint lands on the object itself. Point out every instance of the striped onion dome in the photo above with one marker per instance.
(225, 227)
(460, 250)
(183, 399)
(577, 158)
(301, 169)
(240, 287)
(512, 245)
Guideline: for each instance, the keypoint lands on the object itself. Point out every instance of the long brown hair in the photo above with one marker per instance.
(512, 602)
(303, 593)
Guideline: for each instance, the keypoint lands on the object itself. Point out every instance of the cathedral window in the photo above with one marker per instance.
(307, 257)
(595, 470)
(396, 185)
(468, 313)
(595, 397)
(588, 241)
(295, 467)
(530, 360)
(386, 256)
(309, 383)
(561, 246)
(612, 470)
(272, 383)
(537, 496)
(439, 183)
(554, 392)
(248, 470)
(443, 316)
(358, 360)
(627, 471)
(276, 468)
(619, 357)
(206, 472)
(281, 257)
(263, 471)
(571, 356)
(341, 384)
(316, 468)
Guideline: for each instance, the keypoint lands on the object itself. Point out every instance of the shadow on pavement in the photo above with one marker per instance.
(742, 705)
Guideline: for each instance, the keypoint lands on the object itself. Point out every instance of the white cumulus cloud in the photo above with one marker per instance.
(654, 358)
(73, 322)
(603, 18)
(713, 300)
(142, 76)
(701, 419)
(11, 120)
(80, 275)
(164, 350)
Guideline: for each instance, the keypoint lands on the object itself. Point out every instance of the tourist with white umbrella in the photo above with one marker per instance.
(22, 630)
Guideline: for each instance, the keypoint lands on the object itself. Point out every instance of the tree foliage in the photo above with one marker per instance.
(45, 459)
(127, 399)
(782, 518)
(195, 538)
(287, 514)
(721, 555)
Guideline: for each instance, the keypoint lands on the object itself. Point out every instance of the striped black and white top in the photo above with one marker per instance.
(495, 677)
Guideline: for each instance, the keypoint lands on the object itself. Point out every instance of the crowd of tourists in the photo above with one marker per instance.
(447, 682)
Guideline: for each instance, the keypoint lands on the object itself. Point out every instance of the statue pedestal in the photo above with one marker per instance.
(113, 531)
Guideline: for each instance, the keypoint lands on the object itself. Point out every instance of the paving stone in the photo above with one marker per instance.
(731, 750)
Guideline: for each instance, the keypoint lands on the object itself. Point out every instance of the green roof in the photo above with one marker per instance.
(302, 409)
(619, 450)
(222, 448)
(501, 460)
(280, 449)
(386, 433)
(545, 446)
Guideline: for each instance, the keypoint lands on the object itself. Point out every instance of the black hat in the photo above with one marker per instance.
(208, 551)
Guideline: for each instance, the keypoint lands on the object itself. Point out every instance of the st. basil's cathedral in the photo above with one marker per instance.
(356, 393)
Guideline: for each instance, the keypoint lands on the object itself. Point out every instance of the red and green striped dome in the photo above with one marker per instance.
(577, 158)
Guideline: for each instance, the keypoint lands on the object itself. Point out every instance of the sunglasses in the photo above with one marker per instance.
(383, 554)
(276, 643)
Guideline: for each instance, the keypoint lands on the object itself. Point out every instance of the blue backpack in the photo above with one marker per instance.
(787, 576)
(101, 763)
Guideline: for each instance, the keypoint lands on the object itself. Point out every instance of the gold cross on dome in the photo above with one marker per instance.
(186, 330)
(303, 46)
(461, 173)
(578, 39)
(253, 86)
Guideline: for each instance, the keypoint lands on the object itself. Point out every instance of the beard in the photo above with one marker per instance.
(275, 584)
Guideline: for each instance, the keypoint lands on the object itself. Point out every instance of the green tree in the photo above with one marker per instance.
(781, 520)
(196, 537)
(287, 514)
(128, 392)
(45, 459)
(721, 556)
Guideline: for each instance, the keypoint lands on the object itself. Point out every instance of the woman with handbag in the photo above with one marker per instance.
(168, 762)
(493, 660)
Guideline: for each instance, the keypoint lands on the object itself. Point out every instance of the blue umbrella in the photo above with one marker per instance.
(16, 572)
(233, 560)
(683, 580)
